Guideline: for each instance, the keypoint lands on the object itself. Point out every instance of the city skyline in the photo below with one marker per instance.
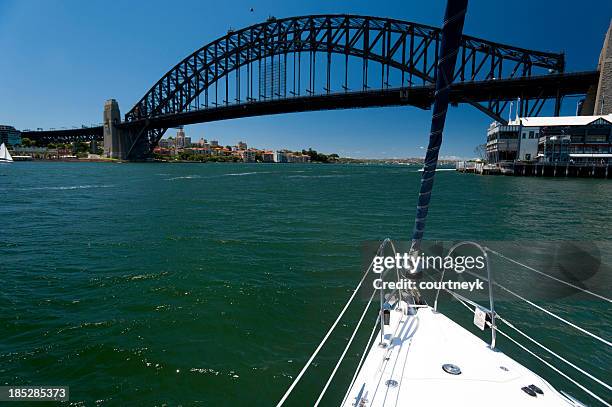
(74, 74)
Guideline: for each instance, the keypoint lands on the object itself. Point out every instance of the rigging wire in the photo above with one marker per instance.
(329, 332)
(346, 348)
(367, 345)
(548, 275)
(510, 325)
(457, 297)
(552, 314)
(595, 396)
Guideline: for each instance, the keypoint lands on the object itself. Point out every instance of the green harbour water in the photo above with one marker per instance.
(211, 284)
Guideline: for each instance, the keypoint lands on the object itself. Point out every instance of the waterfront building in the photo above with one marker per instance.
(248, 156)
(242, 145)
(203, 142)
(9, 136)
(577, 139)
(163, 143)
(562, 139)
(214, 143)
(187, 142)
(267, 156)
(502, 142)
(281, 157)
(220, 151)
(298, 158)
(165, 151)
(199, 150)
(528, 143)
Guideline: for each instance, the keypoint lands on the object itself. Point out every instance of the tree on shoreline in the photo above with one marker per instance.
(481, 151)
(319, 157)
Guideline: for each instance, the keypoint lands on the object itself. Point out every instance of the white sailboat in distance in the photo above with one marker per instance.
(5, 156)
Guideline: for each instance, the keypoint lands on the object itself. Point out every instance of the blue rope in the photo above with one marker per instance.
(451, 38)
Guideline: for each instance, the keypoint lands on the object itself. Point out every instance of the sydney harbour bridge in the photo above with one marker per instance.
(322, 62)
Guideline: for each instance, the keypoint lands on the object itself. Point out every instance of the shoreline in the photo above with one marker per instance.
(365, 161)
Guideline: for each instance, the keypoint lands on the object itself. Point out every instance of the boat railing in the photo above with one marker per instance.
(491, 310)
(490, 322)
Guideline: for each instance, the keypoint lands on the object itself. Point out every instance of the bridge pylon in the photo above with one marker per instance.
(603, 99)
(598, 100)
(120, 143)
(113, 147)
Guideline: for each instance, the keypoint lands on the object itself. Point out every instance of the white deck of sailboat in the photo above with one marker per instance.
(408, 372)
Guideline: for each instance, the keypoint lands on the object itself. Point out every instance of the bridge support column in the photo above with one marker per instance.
(603, 99)
(598, 100)
(113, 146)
(122, 143)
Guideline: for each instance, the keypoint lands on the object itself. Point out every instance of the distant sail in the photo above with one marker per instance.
(4, 154)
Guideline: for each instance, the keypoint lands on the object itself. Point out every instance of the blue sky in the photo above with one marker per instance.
(59, 62)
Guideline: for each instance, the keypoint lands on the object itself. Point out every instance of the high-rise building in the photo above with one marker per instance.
(9, 135)
(180, 138)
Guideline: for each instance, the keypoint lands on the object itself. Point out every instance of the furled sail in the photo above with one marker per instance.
(445, 71)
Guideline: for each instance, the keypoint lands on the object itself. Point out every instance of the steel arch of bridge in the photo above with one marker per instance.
(410, 48)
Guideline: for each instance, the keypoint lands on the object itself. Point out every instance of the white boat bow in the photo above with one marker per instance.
(427, 359)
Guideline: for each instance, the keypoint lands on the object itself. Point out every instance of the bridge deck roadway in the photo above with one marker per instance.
(548, 86)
